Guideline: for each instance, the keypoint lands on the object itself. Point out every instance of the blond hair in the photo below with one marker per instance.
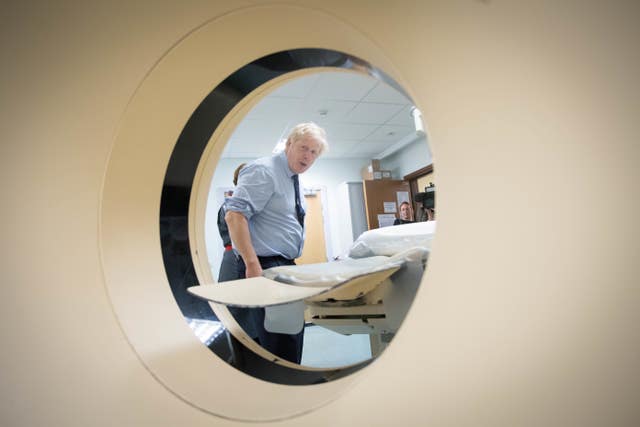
(303, 130)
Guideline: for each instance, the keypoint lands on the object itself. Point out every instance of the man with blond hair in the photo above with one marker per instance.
(265, 217)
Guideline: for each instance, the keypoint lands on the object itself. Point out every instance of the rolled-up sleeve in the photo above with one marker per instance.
(255, 188)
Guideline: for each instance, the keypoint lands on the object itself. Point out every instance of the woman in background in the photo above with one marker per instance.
(406, 214)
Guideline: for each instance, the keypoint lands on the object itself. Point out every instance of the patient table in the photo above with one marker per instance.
(368, 291)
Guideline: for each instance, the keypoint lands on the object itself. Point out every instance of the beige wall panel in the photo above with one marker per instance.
(526, 318)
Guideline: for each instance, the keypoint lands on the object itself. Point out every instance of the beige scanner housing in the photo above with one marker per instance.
(527, 314)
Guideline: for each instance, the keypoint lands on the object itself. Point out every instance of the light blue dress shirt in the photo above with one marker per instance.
(266, 197)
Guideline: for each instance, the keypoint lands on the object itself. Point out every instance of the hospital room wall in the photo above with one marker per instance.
(409, 159)
(325, 173)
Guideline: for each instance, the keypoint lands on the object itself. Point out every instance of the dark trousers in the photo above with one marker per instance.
(229, 271)
(288, 347)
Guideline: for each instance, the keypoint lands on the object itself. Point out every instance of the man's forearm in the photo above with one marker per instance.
(239, 233)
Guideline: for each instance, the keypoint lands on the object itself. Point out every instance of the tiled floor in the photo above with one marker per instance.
(324, 348)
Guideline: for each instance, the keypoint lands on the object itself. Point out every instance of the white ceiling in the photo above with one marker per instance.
(363, 116)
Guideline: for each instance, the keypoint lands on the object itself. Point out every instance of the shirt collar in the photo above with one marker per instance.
(282, 158)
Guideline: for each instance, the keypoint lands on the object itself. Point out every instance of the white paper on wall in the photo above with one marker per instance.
(385, 220)
(390, 207)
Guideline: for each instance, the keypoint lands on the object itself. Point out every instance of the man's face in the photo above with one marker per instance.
(405, 212)
(302, 153)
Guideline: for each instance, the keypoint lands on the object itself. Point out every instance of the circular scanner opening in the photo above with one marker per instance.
(367, 116)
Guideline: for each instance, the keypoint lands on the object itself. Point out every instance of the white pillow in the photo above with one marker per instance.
(392, 240)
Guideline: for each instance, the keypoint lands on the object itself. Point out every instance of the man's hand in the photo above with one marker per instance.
(253, 269)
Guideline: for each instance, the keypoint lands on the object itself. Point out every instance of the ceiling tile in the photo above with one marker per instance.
(299, 87)
(390, 133)
(343, 86)
(349, 131)
(402, 117)
(374, 113)
(336, 111)
(261, 130)
(273, 106)
(385, 93)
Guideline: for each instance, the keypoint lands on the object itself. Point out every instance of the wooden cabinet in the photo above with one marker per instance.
(382, 198)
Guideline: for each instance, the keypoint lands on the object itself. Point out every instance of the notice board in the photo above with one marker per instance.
(382, 198)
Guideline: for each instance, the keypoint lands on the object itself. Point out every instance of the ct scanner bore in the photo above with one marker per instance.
(133, 261)
(179, 180)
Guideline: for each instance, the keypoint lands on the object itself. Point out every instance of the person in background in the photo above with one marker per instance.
(406, 214)
(229, 271)
(229, 264)
(265, 217)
